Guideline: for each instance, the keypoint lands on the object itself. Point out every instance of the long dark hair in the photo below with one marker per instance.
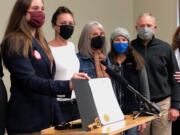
(139, 60)
(18, 30)
(175, 43)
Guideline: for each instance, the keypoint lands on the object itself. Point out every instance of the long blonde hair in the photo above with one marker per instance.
(18, 30)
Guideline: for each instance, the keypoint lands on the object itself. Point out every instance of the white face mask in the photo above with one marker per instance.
(145, 33)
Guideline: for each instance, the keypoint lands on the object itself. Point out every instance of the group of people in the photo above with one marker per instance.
(41, 89)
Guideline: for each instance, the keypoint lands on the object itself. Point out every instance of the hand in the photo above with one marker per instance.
(173, 114)
(78, 76)
(177, 76)
(141, 128)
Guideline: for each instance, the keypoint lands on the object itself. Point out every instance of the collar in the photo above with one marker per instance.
(149, 44)
(84, 57)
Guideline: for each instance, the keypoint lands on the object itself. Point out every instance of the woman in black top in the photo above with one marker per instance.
(128, 63)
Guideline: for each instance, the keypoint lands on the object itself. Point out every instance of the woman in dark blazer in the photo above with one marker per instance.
(32, 105)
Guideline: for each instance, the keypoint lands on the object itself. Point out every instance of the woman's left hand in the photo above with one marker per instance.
(78, 76)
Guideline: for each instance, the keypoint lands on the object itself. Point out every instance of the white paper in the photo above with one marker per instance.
(105, 101)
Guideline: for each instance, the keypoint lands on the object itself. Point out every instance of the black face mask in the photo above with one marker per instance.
(97, 42)
(66, 31)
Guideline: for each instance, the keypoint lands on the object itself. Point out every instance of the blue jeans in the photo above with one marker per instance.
(132, 131)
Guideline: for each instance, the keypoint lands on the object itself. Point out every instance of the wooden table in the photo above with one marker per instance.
(111, 129)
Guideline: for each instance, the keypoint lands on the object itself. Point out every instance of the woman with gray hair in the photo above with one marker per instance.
(92, 49)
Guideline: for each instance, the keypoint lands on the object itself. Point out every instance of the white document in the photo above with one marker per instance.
(106, 103)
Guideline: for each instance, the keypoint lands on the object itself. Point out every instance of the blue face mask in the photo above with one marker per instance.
(120, 47)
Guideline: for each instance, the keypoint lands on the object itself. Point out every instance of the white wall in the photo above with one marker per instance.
(111, 13)
(5, 10)
(165, 12)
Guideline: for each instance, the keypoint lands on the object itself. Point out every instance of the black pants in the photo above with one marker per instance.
(69, 110)
(2, 131)
(176, 127)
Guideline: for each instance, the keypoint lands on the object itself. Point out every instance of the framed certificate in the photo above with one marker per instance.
(96, 99)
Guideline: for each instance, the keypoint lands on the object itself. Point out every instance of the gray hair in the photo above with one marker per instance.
(146, 14)
(84, 44)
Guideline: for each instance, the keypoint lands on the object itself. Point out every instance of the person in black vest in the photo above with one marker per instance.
(32, 106)
(3, 102)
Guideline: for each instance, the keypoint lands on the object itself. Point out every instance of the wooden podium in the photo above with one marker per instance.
(111, 129)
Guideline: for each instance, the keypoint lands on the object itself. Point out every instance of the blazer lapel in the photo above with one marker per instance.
(37, 46)
(53, 69)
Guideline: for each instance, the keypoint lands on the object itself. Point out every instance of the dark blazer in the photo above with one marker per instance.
(1, 68)
(3, 102)
(32, 105)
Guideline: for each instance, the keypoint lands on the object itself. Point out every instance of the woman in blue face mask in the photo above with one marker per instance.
(123, 59)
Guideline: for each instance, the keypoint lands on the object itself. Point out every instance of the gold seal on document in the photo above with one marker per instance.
(106, 117)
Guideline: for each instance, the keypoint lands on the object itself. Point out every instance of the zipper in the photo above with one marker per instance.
(121, 93)
(145, 52)
(147, 67)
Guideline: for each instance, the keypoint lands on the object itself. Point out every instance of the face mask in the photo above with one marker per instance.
(178, 38)
(97, 42)
(145, 33)
(120, 47)
(66, 31)
(37, 19)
